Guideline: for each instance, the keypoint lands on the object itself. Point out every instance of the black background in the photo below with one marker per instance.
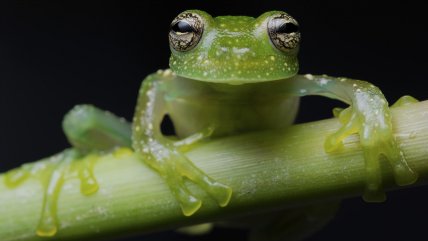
(56, 55)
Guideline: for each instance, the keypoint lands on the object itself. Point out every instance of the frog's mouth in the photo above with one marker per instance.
(264, 69)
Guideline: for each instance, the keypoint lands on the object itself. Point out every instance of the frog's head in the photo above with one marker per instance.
(234, 49)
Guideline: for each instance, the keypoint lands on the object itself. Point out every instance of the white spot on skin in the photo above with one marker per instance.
(167, 73)
(240, 51)
(323, 81)
(302, 91)
(309, 76)
(272, 58)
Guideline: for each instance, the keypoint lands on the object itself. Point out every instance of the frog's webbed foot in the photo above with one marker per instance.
(165, 157)
(373, 124)
(52, 172)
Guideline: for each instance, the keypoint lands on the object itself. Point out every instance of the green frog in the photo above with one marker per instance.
(229, 75)
(235, 74)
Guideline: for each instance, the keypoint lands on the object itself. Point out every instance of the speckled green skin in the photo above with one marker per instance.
(235, 50)
(234, 80)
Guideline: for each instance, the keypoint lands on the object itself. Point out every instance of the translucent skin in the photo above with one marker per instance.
(234, 80)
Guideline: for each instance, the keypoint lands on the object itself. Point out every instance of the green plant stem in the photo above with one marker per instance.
(266, 170)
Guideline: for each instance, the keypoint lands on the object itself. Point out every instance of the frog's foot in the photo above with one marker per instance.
(376, 138)
(53, 178)
(52, 172)
(174, 167)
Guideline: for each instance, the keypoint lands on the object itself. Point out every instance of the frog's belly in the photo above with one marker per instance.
(231, 117)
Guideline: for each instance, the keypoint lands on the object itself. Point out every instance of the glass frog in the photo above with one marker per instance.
(234, 74)
(230, 75)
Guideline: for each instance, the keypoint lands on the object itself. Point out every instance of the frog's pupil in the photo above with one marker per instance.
(182, 27)
(288, 28)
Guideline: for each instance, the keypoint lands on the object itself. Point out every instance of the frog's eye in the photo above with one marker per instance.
(284, 32)
(186, 31)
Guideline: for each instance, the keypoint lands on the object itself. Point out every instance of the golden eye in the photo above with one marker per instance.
(186, 31)
(284, 32)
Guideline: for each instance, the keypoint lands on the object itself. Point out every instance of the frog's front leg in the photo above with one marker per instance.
(90, 131)
(163, 154)
(369, 116)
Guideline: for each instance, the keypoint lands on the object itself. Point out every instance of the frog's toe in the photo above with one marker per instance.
(332, 143)
(179, 168)
(377, 140)
(403, 174)
(189, 203)
(373, 191)
(350, 126)
(218, 191)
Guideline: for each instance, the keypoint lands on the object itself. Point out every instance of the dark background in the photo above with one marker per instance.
(53, 56)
